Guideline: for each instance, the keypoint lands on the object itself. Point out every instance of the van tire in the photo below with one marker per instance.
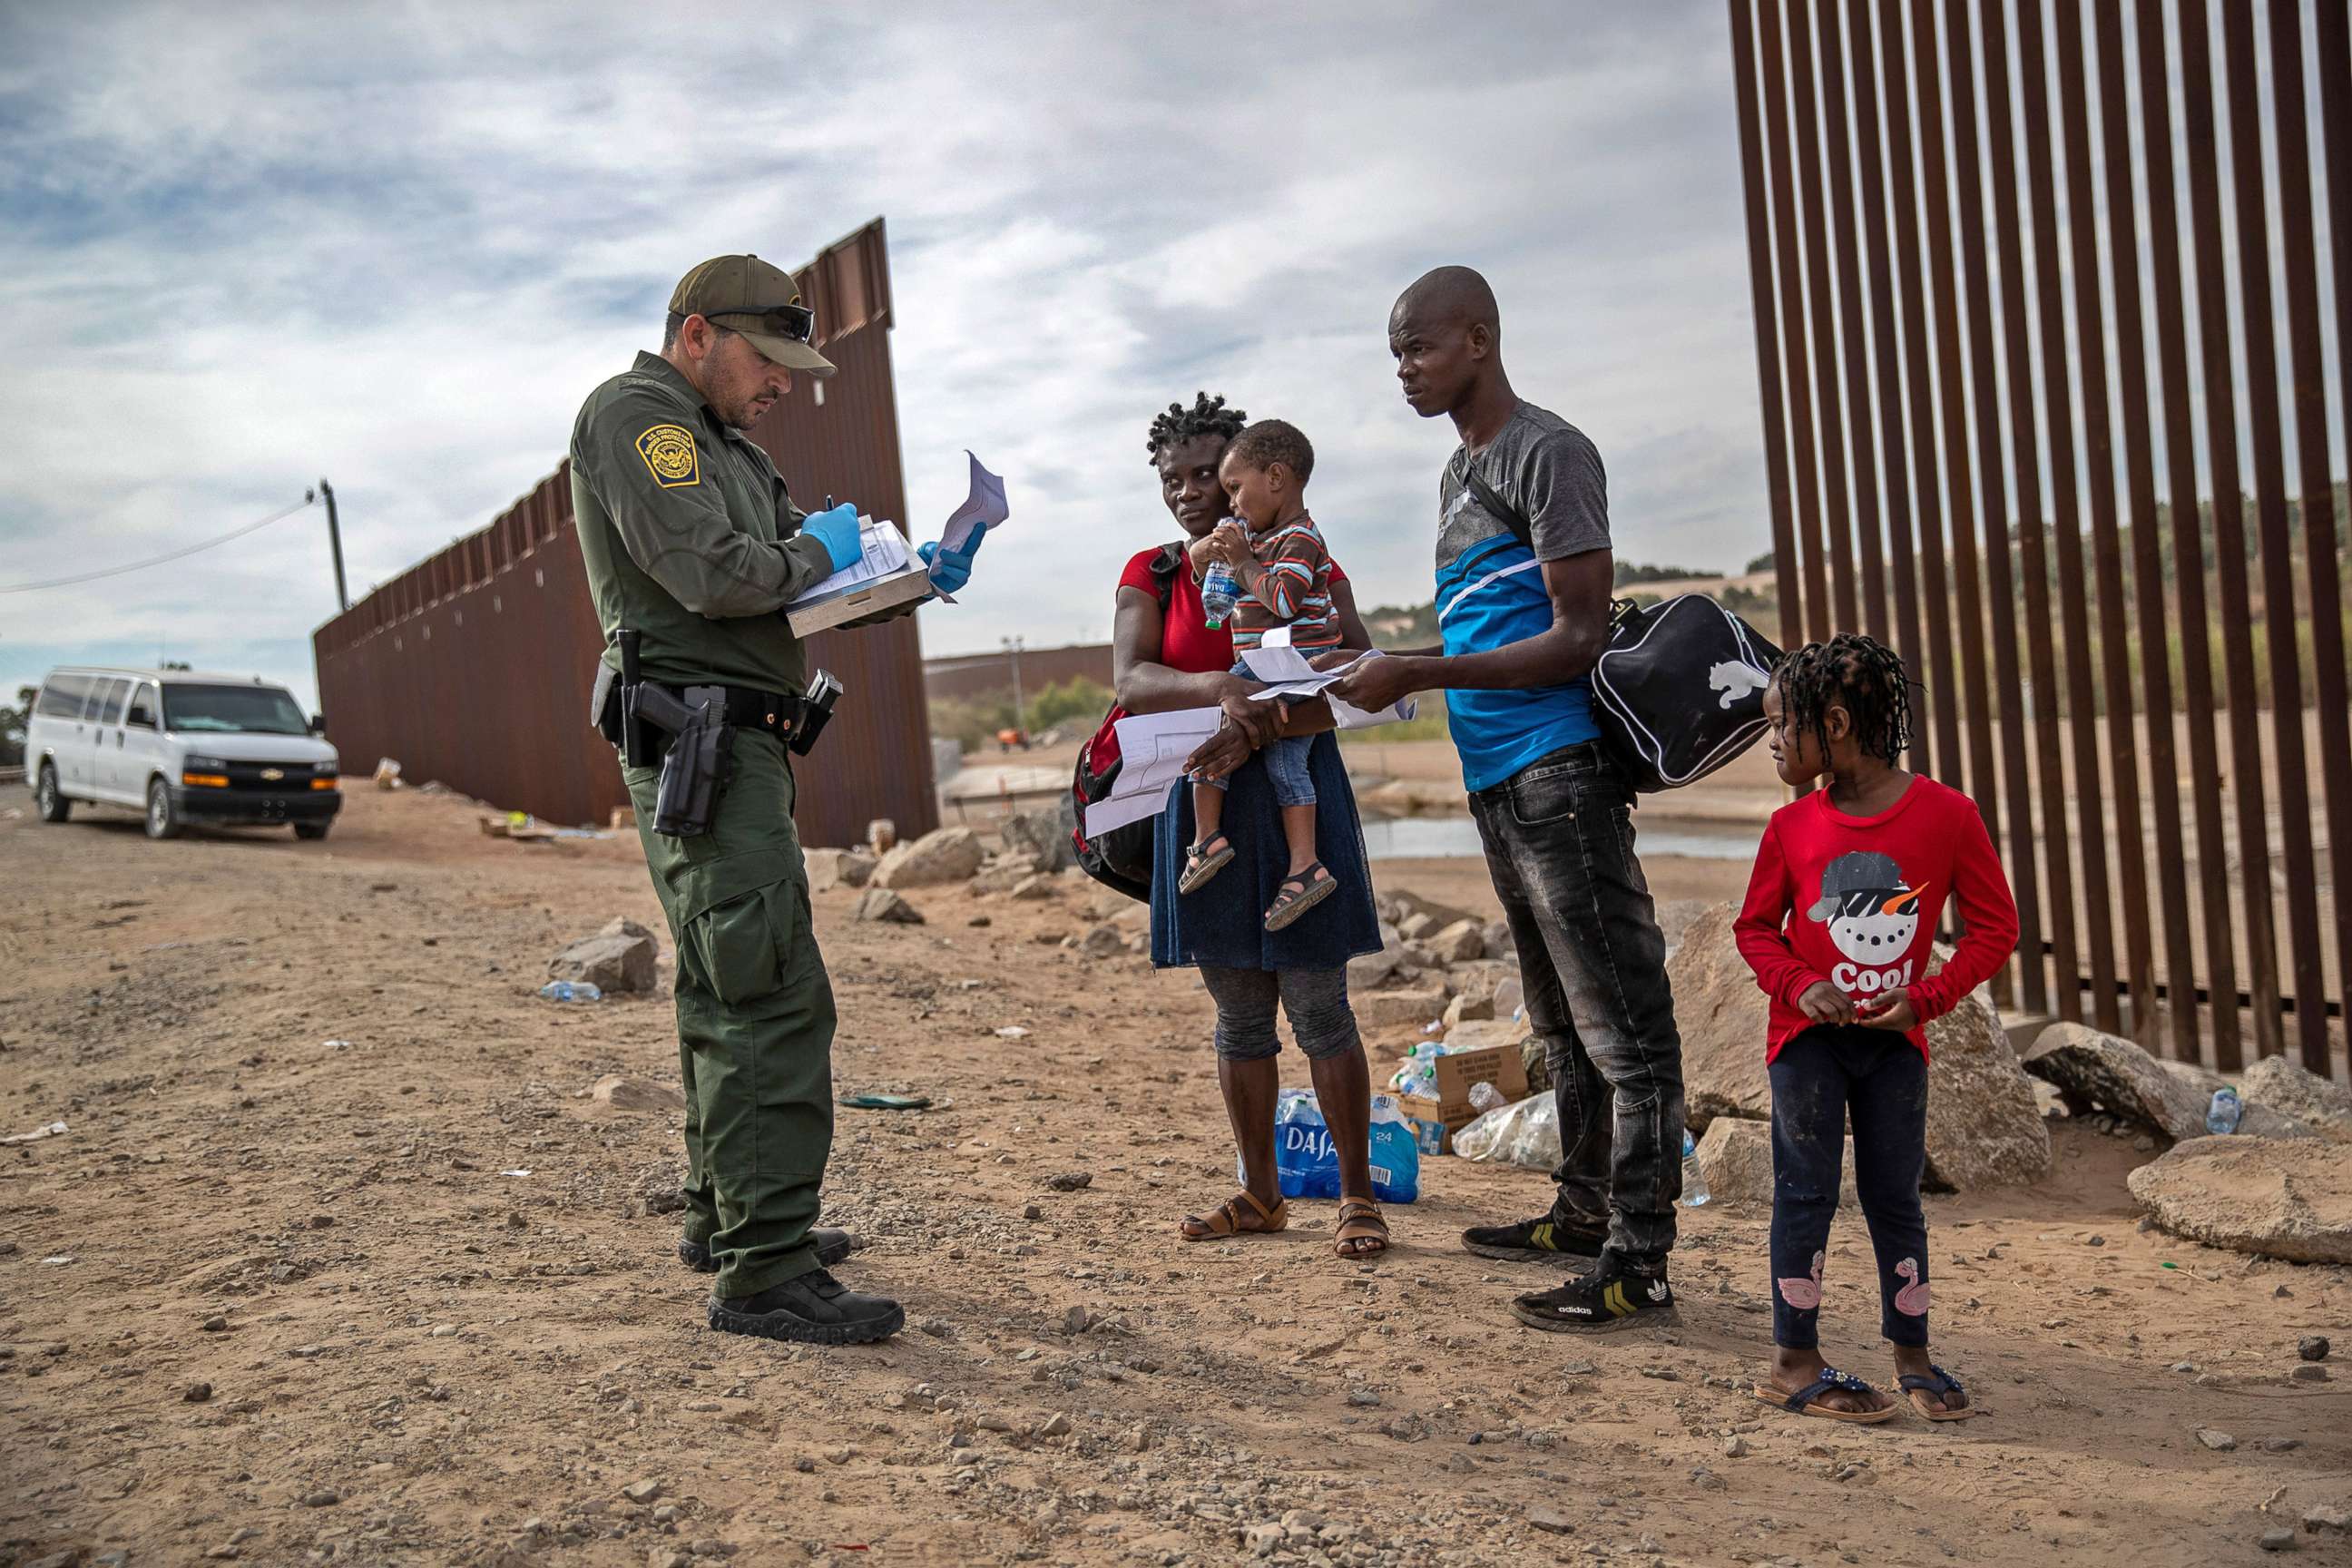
(311, 830)
(51, 801)
(162, 817)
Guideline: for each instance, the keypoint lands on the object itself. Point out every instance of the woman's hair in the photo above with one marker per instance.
(1207, 416)
(1859, 674)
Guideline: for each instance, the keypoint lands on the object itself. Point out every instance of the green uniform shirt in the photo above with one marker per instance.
(688, 535)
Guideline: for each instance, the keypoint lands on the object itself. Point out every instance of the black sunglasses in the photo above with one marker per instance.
(797, 323)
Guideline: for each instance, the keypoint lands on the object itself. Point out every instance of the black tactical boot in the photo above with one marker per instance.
(832, 1246)
(812, 1309)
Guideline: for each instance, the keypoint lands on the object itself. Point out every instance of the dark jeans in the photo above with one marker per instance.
(1880, 1079)
(1560, 846)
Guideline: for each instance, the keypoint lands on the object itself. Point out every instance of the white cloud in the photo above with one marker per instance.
(397, 245)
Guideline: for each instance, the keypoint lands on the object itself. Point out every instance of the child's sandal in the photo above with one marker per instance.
(1200, 862)
(1288, 905)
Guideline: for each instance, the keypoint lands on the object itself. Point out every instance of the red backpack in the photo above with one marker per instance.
(1121, 859)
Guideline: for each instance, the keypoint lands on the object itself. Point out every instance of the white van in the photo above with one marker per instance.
(181, 746)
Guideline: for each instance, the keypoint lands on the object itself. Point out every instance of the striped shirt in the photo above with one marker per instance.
(1293, 592)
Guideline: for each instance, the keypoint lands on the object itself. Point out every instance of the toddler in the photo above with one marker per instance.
(1275, 551)
(1840, 919)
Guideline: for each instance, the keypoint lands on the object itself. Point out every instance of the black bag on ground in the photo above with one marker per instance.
(1121, 859)
(1679, 691)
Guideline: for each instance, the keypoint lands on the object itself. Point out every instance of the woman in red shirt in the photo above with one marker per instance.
(1165, 656)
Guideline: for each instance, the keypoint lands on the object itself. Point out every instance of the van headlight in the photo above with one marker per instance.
(327, 767)
(204, 765)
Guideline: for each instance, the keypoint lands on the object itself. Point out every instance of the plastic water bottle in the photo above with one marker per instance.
(1218, 592)
(1486, 1097)
(1694, 1190)
(2224, 1113)
(571, 991)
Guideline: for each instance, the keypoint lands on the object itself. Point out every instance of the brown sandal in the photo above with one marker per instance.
(1228, 1219)
(1361, 1221)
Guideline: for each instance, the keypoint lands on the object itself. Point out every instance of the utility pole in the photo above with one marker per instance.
(335, 539)
(1020, 707)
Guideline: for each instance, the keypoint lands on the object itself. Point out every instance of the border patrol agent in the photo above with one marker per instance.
(693, 547)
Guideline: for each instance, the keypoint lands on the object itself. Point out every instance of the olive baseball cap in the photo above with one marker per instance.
(746, 295)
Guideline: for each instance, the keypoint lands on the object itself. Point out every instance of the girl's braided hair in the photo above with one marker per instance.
(1859, 674)
(1207, 416)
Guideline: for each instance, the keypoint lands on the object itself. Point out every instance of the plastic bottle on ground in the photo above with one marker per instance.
(571, 991)
(1694, 1190)
(1219, 591)
(1484, 1095)
(2225, 1112)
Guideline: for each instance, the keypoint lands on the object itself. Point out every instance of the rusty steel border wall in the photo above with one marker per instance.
(2182, 876)
(991, 674)
(473, 665)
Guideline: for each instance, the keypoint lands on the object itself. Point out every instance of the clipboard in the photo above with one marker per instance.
(912, 584)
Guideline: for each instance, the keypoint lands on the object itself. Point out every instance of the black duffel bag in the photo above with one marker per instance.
(1679, 691)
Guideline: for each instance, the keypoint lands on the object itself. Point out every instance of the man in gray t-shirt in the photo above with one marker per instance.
(1524, 571)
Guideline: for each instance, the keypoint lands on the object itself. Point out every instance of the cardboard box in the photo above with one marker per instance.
(1435, 1119)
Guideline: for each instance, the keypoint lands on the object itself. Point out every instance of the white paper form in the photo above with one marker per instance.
(1292, 677)
(1151, 748)
(984, 507)
(882, 551)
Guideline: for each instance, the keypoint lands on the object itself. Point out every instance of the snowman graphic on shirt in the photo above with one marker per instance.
(1872, 914)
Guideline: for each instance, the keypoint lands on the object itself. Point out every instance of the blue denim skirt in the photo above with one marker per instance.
(1223, 923)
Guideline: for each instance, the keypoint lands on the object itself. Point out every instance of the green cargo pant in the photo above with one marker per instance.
(754, 1020)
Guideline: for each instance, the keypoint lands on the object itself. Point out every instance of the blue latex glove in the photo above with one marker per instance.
(950, 570)
(837, 529)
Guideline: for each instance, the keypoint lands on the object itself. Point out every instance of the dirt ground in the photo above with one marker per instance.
(333, 1165)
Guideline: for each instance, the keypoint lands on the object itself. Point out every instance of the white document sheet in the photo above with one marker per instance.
(1294, 678)
(1152, 748)
(882, 551)
(984, 507)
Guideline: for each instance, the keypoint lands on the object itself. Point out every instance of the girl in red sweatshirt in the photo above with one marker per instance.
(1841, 914)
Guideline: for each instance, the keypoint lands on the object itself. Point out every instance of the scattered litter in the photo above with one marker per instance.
(886, 1101)
(387, 773)
(518, 1171)
(1012, 1032)
(337, 1046)
(61, 1257)
(53, 1130)
(571, 991)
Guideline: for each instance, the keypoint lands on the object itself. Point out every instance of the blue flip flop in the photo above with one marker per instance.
(1936, 1383)
(1802, 1402)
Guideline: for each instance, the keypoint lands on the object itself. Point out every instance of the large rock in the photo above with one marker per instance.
(2274, 1197)
(1040, 833)
(1414, 1004)
(1735, 1158)
(1005, 873)
(618, 958)
(2110, 1073)
(1983, 1127)
(947, 854)
(831, 868)
(1722, 1015)
(1403, 904)
(1372, 969)
(2291, 1090)
(1460, 943)
(1479, 1034)
(637, 1094)
(2255, 1120)
(882, 904)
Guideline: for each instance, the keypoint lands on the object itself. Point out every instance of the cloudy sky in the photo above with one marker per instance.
(241, 248)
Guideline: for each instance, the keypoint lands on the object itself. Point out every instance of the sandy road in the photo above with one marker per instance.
(417, 1354)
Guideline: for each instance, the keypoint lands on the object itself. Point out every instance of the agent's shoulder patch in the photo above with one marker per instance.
(671, 458)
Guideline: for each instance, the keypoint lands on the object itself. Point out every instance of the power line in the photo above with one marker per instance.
(175, 556)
